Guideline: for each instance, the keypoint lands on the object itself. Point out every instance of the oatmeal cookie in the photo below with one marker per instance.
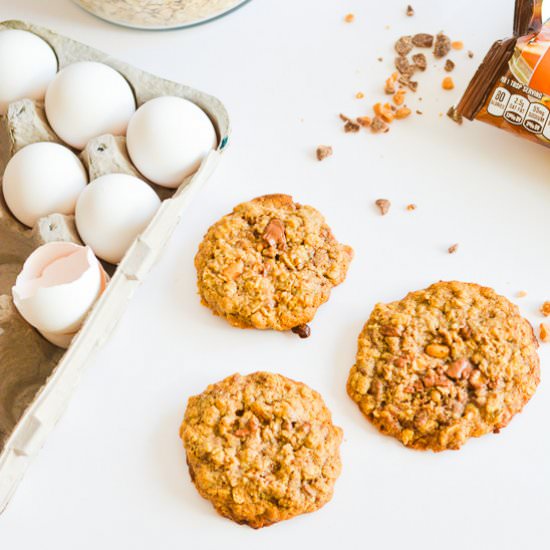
(262, 448)
(453, 361)
(270, 264)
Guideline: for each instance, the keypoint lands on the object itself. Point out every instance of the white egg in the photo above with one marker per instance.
(112, 211)
(56, 288)
(27, 66)
(43, 178)
(87, 99)
(167, 139)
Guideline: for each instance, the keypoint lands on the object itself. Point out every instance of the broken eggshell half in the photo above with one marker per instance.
(57, 287)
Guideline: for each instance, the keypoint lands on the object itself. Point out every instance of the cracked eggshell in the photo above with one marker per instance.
(42, 179)
(57, 286)
(112, 211)
(167, 139)
(27, 66)
(87, 99)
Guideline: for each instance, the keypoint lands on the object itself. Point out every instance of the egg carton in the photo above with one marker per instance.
(37, 378)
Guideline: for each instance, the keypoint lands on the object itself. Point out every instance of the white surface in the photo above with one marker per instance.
(113, 473)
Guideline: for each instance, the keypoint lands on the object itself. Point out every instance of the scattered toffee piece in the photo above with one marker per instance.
(349, 18)
(423, 40)
(303, 331)
(544, 333)
(274, 234)
(442, 45)
(449, 65)
(409, 11)
(350, 125)
(383, 205)
(411, 207)
(402, 112)
(448, 83)
(404, 45)
(359, 95)
(399, 96)
(389, 87)
(453, 248)
(420, 61)
(323, 151)
(545, 309)
(364, 121)
(521, 294)
(454, 115)
(457, 45)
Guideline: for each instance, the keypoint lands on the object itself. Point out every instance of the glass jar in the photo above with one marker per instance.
(159, 14)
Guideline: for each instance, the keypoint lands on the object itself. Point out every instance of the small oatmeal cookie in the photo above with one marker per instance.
(444, 364)
(262, 448)
(270, 264)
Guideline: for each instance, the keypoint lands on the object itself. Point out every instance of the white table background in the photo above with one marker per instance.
(113, 473)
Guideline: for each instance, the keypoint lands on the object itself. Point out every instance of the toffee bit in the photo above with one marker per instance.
(545, 309)
(402, 112)
(359, 95)
(383, 205)
(521, 294)
(303, 331)
(411, 207)
(385, 112)
(420, 61)
(448, 83)
(449, 65)
(442, 45)
(544, 333)
(409, 11)
(457, 45)
(453, 248)
(454, 115)
(323, 151)
(389, 88)
(364, 121)
(423, 40)
(399, 96)
(404, 45)
(349, 18)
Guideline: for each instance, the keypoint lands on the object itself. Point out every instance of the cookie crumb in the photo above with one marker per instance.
(418, 112)
(350, 125)
(544, 333)
(470, 54)
(380, 59)
(403, 45)
(403, 66)
(411, 207)
(420, 61)
(449, 65)
(359, 95)
(454, 115)
(457, 45)
(448, 83)
(303, 331)
(545, 309)
(323, 151)
(378, 125)
(521, 294)
(453, 248)
(442, 45)
(409, 11)
(383, 205)
(423, 40)
(349, 18)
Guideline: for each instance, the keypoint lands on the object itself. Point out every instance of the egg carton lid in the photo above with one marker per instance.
(48, 404)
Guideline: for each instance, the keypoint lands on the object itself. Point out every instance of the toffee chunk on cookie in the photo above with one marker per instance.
(262, 448)
(444, 364)
(270, 264)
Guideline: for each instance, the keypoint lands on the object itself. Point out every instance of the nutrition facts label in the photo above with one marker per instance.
(519, 111)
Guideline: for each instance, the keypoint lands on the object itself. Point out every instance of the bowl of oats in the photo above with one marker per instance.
(159, 14)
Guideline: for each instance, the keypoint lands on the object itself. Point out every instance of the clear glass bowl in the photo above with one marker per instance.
(159, 14)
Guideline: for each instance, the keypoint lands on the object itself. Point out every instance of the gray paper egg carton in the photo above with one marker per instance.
(36, 378)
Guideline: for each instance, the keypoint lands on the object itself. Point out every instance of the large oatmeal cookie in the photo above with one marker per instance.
(453, 361)
(270, 264)
(262, 448)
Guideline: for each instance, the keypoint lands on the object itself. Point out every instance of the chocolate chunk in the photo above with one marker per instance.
(423, 40)
(404, 45)
(442, 45)
(303, 331)
(420, 61)
(274, 234)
